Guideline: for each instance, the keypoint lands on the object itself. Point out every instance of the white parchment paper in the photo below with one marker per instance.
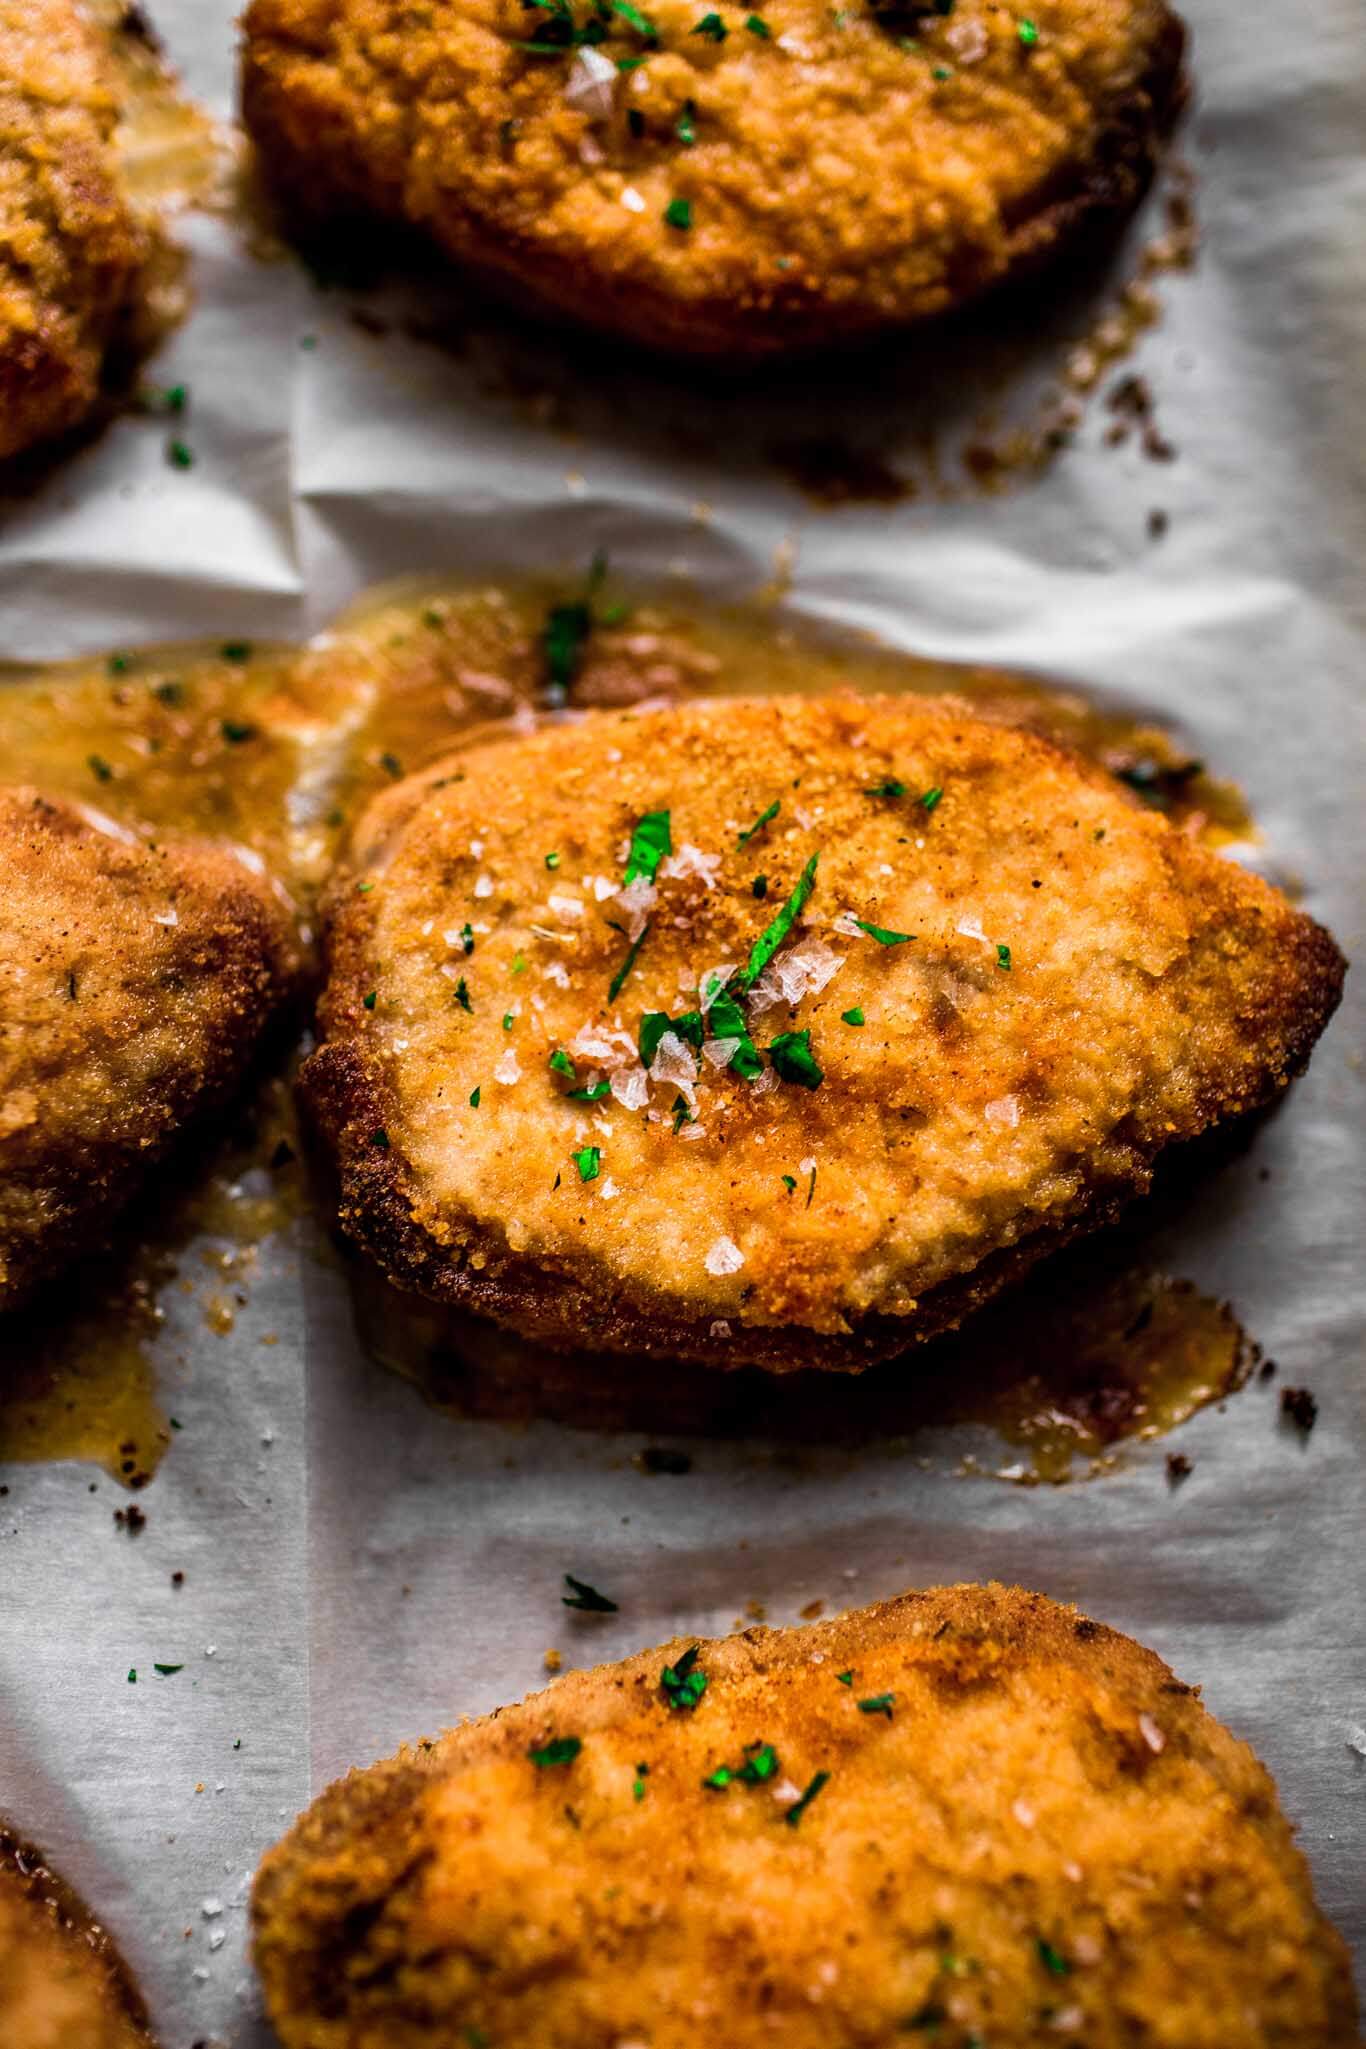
(360, 1570)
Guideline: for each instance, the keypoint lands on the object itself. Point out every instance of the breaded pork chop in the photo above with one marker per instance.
(968, 1816)
(70, 247)
(725, 184)
(62, 1985)
(779, 1031)
(135, 984)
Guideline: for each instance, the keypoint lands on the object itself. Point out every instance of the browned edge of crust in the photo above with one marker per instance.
(23, 1865)
(730, 330)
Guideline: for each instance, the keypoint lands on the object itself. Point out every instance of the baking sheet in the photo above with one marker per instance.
(359, 1570)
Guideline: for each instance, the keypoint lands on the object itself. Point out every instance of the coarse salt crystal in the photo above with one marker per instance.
(591, 86)
(166, 918)
(607, 1189)
(786, 1794)
(211, 1909)
(970, 928)
(720, 1052)
(630, 1087)
(218, 1938)
(848, 925)
(507, 1071)
(630, 198)
(555, 971)
(693, 1130)
(1356, 1740)
(566, 906)
(1024, 1813)
(690, 860)
(723, 1256)
(1003, 1112)
(712, 983)
(1152, 1735)
(637, 901)
(484, 886)
(801, 971)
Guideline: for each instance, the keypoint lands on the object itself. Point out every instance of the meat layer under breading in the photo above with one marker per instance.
(70, 247)
(964, 1816)
(135, 984)
(722, 184)
(62, 1984)
(1019, 986)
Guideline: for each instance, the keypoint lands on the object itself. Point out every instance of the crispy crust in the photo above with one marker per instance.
(117, 1027)
(63, 1984)
(354, 116)
(71, 249)
(1245, 988)
(1044, 1804)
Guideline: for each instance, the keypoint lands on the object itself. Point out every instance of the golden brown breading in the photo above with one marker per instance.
(1019, 1827)
(1084, 985)
(70, 247)
(135, 984)
(831, 174)
(62, 1984)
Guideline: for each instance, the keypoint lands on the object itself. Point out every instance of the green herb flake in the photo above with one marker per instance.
(552, 860)
(1003, 958)
(172, 691)
(462, 995)
(877, 1704)
(369, 1002)
(599, 1091)
(890, 788)
(1053, 1960)
(638, 1783)
(727, 1021)
(683, 1685)
(118, 665)
(235, 732)
(236, 651)
(760, 822)
(379, 1138)
(845, 1678)
(568, 626)
(132, 1675)
(799, 1807)
(586, 1598)
(180, 455)
(759, 887)
(681, 1114)
(467, 939)
(509, 1020)
(589, 1162)
(713, 28)
(619, 979)
(99, 768)
(364, 888)
(768, 942)
(854, 1016)
(794, 1061)
(678, 214)
(167, 1670)
(790, 1183)
(562, 1064)
(474, 1098)
(882, 934)
(930, 798)
(560, 1750)
(686, 126)
(650, 842)
(757, 26)
(1028, 32)
(930, 2015)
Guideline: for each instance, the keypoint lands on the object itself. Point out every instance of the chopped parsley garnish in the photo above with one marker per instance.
(568, 626)
(180, 455)
(678, 214)
(768, 942)
(1028, 33)
(474, 1099)
(686, 126)
(1053, 1960)
(236, 651)
(581, 1595)
(799, 1807)
(595, 1094)
(791, 1055)
(391, 765)
(712, 26)
(890, 788)
(364, 889)
(172, 691)
(681, 1113)
(650, 842)
(509, 1020)
(379, 1138)
(235, 732)
(931, 798)
(882, 934)
(118, 665)
(618, 982)
(877, 1704)
(559, 1750)
(854, 1016)
(683, 1684)
(167, 1670)
(562, 1063)
(761, 1762)
(371, 1000)
(638, 1784)
(790, 1183)
(462, 995)
(757, 26)
(727, 1021)
(467, 938)
(759, 887)
(552, 860)
(845, 1678)
(99, 768)
(930, 2015)
(760, 822)
(1003, 958)
(132, 1675)
(589, 1162)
